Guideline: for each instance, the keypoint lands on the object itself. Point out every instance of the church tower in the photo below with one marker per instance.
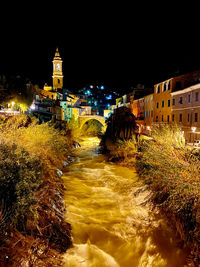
(57, 71)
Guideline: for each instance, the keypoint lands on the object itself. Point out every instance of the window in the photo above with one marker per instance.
(162, 118)
(168, 102)
(188, 98)
(173, 101)
(58, 81)
(167, 118)
(197, 96)
(164, 87)
(180, 117)
(181, 100)
(158, 89)
(195, 117)
(173, 117)
(156, 118)
(157, 105)
(169, 85)
(188, 117)
(163, 103)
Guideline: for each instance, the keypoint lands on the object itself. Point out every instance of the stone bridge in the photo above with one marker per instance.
(85, 118)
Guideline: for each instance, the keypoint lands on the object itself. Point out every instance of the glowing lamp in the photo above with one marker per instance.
(193, 129)
(32, 106)
(148, 128)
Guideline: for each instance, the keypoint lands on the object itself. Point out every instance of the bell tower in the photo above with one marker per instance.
(57, 71)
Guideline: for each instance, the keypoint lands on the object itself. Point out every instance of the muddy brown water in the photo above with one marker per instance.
(111, 225)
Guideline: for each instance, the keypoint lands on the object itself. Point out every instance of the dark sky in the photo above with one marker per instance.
(117, 45)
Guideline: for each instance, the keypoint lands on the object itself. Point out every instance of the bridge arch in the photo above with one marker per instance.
(85, 119)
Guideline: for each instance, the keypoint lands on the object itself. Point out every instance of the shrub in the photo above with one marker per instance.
(173, 174)
(31, 204)
(20, 176)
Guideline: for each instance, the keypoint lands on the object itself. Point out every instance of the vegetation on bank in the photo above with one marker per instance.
(172, 172)
(32, 226)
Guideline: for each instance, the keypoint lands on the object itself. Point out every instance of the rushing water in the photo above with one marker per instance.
(112, 225)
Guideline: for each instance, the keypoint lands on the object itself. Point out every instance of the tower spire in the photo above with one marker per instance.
(57, 54)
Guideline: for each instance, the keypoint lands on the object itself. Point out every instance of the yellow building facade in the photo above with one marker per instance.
(162, 94)
(162, 101)
(57, 71)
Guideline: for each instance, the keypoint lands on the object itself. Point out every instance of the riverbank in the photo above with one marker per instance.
(33, 228)
(172, 174)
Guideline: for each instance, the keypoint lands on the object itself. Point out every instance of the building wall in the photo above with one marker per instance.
(162, 94)
(148, 109)
(186, 111)
(85, 110)
(47, 88)
(137, 108)
(162, 101)
(49, 94)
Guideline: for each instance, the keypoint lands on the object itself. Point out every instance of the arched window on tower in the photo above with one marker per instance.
(58, 81)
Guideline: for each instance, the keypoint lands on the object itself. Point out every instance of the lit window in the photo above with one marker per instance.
(88, 92)
(108, 97)
(168, 102)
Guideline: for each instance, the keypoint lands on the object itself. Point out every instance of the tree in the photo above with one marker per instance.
(121, 124)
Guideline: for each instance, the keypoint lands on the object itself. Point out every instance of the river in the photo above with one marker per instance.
(112, 224)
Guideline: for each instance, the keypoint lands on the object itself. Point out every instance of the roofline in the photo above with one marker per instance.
(188, 89)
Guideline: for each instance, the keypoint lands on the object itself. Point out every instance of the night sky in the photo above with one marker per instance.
(118, 46)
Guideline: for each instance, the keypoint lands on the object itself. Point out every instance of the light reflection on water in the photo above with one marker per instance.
(111, 226)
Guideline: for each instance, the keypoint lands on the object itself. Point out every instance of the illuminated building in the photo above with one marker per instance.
(163, 98)
(186, 111)
(148, 110)
(57, 72)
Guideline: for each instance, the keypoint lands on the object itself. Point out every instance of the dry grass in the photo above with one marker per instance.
(46, 234)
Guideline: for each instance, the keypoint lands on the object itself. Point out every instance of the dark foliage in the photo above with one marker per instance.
(20, 176)
(121, 124)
